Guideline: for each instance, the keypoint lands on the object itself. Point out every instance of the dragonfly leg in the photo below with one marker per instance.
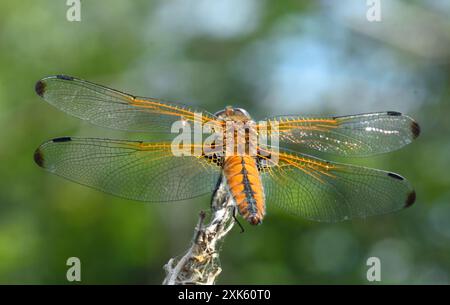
(235, 211)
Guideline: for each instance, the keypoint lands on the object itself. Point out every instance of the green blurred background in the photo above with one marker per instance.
(270, 57)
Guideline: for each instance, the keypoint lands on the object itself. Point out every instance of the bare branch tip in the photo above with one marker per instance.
(200, 265)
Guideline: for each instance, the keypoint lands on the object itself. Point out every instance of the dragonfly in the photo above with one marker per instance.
(299, 183)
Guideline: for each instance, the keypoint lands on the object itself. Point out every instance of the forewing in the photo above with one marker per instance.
(114, 109)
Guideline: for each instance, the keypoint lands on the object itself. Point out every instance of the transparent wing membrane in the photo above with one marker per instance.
(113, 109)
(327, 191)
(133, 170)
(148, 171)
(354, 135)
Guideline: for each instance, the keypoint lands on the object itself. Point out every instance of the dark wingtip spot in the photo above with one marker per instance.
(394, 113)
(394, 175)
(62, 139)
(415, 129)
(410, 199)
(38, 158)
(40, 88)
(64, 77)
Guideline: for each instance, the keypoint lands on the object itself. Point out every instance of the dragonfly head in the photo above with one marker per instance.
(232, 113)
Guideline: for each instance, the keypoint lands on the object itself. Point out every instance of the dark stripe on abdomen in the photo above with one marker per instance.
(245, 185)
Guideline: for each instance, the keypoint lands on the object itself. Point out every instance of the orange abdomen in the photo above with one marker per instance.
(245, 186)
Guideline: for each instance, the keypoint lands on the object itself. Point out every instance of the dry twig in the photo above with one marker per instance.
(200, 265)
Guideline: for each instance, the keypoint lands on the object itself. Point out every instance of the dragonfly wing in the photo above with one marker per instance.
(354, 135)
(114, 109)
(330, 192)
(129, 169)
